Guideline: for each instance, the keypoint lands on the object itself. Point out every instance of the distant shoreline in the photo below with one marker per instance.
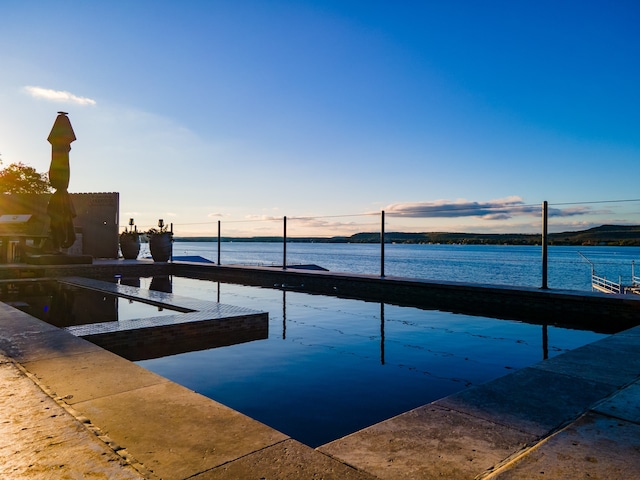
(605, 235)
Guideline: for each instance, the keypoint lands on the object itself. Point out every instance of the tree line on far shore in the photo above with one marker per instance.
(611, 235)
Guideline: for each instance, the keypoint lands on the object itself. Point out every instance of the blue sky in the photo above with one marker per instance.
(458, 116)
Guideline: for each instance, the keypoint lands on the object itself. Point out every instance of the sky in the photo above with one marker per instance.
(446, 115)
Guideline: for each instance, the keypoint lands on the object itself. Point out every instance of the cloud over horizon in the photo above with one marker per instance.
(498, 209)
(58, 96)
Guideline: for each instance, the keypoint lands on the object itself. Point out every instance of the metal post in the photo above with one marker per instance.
(171, 230)
(382, 244)
(284, 244)
(545, 214)
(218, 242)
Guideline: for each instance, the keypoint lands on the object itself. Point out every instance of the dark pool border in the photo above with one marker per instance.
(566, 308)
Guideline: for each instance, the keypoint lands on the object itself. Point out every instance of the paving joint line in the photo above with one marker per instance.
(87, 424)
(513, 458)
(532, 446)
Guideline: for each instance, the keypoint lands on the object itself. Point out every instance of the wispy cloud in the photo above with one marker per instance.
(575, 211)
(321, 226)
(491, 210)
(263, 218)
(307, 226)
(499, 209)
(59, 96)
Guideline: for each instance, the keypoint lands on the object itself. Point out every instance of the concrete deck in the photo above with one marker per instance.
(70, 409)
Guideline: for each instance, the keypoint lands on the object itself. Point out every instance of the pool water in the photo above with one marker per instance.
(65, 305)
(332, 366)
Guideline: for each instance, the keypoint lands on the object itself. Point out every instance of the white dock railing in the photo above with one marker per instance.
(603, 285)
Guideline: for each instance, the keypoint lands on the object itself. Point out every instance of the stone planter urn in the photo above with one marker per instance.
(160, 246)
(130, 245)
(160, 242)
(130, 242)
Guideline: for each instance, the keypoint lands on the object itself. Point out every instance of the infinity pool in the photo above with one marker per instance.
(332, 366)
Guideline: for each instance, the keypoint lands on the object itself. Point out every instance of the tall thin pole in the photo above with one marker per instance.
(545, 259)
(382, 244)
(284, 244)
(218, 242)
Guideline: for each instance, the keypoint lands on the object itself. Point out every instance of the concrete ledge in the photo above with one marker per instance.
(175, 432)
(594, 446)
(429, 442)
(530, 400)
(621, 367)
(40, 439)
(288, 460)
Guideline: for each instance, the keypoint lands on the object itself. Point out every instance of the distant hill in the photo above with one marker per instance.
(604, 235)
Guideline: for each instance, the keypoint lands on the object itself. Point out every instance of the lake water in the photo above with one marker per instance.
(494, 264)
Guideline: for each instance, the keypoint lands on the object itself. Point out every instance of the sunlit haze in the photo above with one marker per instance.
(447, 115)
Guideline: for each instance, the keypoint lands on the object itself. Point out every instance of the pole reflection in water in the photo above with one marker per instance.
(284, 314)
(382, 333)
(545, 336)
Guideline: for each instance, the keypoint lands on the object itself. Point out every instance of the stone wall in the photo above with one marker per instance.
(96, 222)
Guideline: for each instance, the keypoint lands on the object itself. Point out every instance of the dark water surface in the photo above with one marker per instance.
(66, 305)
(332, 366)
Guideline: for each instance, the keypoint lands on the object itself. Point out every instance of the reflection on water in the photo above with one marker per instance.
(161, 283)
(64, 305)
(332, 366)
(130, 281)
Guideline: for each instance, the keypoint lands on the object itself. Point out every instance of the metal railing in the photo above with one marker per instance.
(279, 233)
(603, 285)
